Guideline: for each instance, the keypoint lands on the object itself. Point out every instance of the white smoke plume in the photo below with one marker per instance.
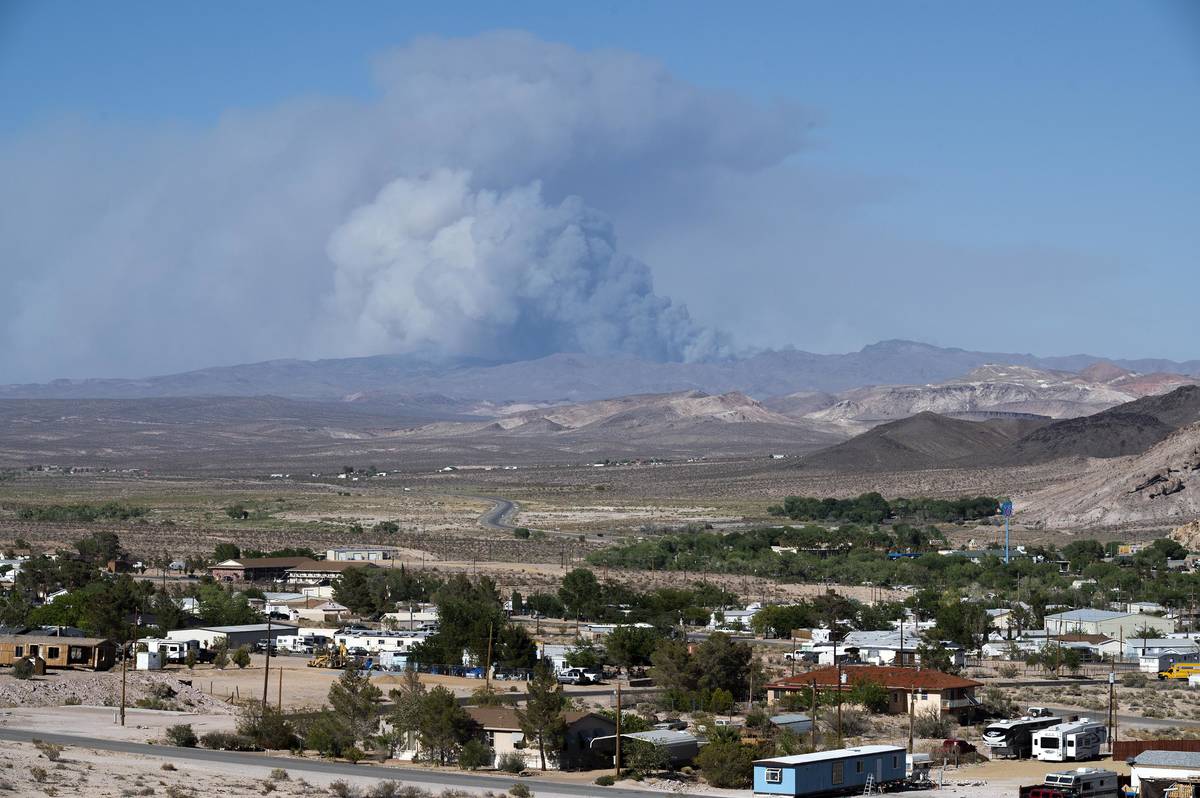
(451, 215)
(432, 266)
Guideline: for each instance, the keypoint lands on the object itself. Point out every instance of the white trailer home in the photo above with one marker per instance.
(1070, 742)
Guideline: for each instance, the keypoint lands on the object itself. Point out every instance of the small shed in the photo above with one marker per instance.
(680, 747)
(842, 770)
(91, 653)
(1153, 772)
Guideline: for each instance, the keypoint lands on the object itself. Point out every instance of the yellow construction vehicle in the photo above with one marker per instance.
(330, 658)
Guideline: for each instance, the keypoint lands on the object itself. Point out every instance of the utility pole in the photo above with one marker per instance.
(1112, 681)
(124, 668)
(912, 691)
(280, 704)
(267, 666)
(839, 706)
(487, 668)
(617, 758)
(813, 717)
(793, 657)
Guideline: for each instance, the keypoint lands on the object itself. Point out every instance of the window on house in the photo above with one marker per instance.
(895, 761)
(19, 651)
(773, 776)
(52, 652)
(858, 766)
(838, 775)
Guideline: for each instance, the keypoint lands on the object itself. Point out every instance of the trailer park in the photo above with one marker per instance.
(351, 657)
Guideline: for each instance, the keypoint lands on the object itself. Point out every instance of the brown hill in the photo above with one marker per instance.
(926, 440)
(1126, 429)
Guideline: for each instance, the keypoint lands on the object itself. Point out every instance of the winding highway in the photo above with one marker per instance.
(417, 776)
(499, 516)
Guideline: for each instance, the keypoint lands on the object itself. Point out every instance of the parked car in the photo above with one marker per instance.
(574, 676)
(1041, 712)
(956, 745)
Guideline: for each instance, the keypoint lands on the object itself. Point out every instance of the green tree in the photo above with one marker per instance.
(241, 657)
(671, 670)
(405, 715)
(444, 725)
(871, 695)
(935, 657)
(630, 646)
(542, 717)
(226, 551)
(584, 654)
(719, 662)
(1082, 553)
(514, 648)
(355, 699)
(580, 594)
(474, 755)
(168, 614)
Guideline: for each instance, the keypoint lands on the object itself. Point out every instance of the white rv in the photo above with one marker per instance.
(1067, 742)
(304, 642)
(1014, 738)
(1079, 783)
(169, 650)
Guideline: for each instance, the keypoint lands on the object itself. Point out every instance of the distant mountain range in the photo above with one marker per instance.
(577, 378)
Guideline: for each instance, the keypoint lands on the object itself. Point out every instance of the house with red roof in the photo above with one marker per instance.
(923, 690)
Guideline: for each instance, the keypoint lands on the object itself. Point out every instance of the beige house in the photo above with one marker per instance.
(925, 691)
(500, 728)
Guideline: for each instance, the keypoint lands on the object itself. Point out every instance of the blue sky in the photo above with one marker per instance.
(1040, 153)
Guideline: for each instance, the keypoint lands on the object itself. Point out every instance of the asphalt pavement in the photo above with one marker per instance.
(416, 776)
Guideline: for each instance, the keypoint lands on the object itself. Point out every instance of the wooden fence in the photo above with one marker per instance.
(1124, 749)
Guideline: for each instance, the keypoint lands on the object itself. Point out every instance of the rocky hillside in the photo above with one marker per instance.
(1160, 487)
(1010, 389)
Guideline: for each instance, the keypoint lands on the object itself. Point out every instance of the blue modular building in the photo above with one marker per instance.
(829, 772)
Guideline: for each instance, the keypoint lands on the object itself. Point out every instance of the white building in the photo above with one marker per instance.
(1105, 622)
(363, 554)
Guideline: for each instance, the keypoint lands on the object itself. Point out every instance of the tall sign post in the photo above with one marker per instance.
(1006, 510)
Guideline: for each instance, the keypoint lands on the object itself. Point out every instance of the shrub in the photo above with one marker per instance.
(855, 723)
(354, 754)
(1134, 680)
(71, 701)
(328, 735)
(605, 781)
(520, 791)
(267, 727)
(241, 657)
(474, 755)
(22, 669)
(342, 789)
(167, 766)
(929, 724)
(871, 695)
(182, 735)
(521, 533)
(279, 774)
(226, 741)
(511, 762)
(189, 659)
(726, 765)
(51, 751)
(38, 773)
(1008, 671)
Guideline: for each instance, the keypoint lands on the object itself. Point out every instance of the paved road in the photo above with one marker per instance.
(1125, 721)
(498, 517)
(417, 776)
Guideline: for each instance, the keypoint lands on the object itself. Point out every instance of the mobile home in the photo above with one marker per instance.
(1074, 741)
(830, 772)
(1014, 738)
(87, 653)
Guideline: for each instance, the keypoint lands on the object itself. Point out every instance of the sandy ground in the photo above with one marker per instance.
(26, 771)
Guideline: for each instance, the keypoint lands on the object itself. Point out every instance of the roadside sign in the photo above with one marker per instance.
(1006, 508)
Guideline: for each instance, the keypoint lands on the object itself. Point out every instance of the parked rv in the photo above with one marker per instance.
(1078, 783)
(1066, 742)
(1014, 738)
